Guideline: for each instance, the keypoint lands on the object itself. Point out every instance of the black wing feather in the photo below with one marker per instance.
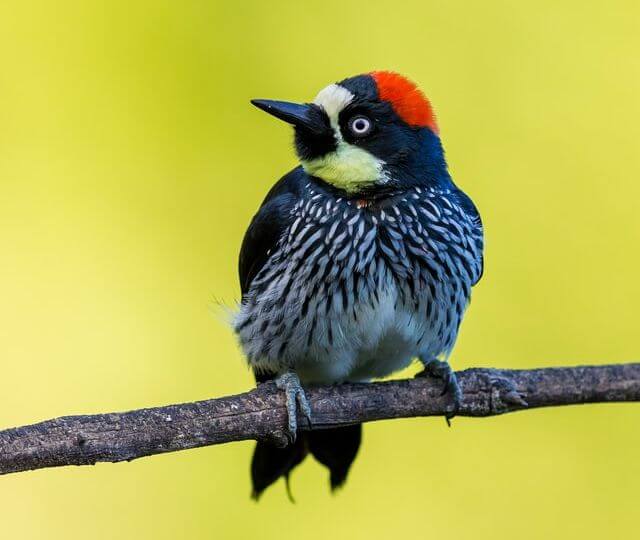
(264, 233)
(267, 226)
(467, 204)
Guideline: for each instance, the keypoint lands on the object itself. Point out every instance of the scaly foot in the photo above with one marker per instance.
(443, 371)
(290, 383)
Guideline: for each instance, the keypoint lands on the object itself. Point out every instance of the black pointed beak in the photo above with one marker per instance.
(305, 116)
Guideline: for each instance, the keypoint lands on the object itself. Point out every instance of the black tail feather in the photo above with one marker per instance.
(336, 449)
(270, 463)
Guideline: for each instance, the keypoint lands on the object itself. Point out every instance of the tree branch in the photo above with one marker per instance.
(261, 414)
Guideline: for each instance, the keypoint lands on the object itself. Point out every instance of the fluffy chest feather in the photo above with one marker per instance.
(354, 292)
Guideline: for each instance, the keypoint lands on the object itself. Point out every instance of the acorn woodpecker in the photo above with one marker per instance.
(359, 260)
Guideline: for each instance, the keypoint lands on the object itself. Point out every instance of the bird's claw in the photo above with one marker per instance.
(295, 396)
(442, 370)
(505, 395)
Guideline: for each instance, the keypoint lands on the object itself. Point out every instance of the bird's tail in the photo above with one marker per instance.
(335, 448)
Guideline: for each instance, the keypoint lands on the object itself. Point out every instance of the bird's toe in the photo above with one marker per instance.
(295, 396)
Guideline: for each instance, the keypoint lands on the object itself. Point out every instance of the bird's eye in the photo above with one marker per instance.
(360, 126)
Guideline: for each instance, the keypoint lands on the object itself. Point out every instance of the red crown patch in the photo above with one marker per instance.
(406, 98)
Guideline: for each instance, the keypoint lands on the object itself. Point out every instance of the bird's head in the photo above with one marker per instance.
(367, 131)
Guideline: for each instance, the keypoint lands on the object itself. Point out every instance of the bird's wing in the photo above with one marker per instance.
(476, 224)
(265, 231)
(267, 226)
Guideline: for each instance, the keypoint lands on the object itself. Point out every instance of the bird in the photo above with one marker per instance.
(359, 261)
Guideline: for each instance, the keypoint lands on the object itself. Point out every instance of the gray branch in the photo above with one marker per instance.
(261, 414)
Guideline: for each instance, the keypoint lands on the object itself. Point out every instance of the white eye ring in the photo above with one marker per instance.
(360, 125)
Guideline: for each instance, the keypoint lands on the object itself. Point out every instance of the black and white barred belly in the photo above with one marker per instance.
(354, 291)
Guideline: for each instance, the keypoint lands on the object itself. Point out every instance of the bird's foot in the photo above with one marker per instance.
(504, 394)
(440, 370)
(294, 393)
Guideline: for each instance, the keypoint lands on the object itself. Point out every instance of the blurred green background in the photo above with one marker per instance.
(131, 163)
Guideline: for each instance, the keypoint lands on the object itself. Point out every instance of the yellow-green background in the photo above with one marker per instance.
(130, 164)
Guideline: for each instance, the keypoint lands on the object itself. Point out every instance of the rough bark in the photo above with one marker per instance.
(261, 414)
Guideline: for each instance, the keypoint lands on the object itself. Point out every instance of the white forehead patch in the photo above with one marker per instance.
(333, 99)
